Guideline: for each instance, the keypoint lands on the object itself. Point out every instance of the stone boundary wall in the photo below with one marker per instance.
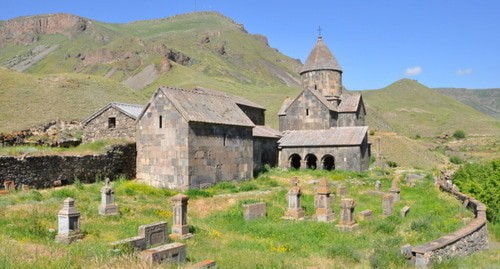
(465, 241)
(42, 171)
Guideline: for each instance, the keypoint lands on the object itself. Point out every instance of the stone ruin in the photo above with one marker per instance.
(68, 223)
(107, 206)
(295, 210)
(395, 190)
(322, 202)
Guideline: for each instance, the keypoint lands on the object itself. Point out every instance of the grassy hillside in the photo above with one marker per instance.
(412, 109)
(196, 49)
(28, 100)
(484, 100)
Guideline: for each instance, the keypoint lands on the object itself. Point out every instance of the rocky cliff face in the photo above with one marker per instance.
(27, 30)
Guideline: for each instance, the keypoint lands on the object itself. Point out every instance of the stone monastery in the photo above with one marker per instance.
(199, 137)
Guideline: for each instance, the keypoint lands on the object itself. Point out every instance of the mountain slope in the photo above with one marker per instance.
(484, 100)
(412, 109)
(28, 100)
(195, 49)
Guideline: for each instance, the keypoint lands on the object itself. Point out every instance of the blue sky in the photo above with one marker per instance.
(440, 43)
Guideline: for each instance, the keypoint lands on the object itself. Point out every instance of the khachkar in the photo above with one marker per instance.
(294, 210)
(322, 202)
(395, 190)
(347, 216)
(107, 206)
(180, 229)
(68, 223)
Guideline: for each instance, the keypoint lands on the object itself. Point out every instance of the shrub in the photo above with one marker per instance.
(456, 160)
(481, 181)
(459, 134)
(391, 164)
(248, 186)
(193, 193)
(372, 132)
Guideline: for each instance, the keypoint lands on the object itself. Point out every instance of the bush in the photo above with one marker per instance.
(248, 186)
(372, 132)
(481, 181)
(193, 193)
(456, 160)
(391, 164)
(459, 134)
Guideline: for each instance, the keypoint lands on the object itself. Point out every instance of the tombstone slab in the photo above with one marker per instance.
(174, 252)
(108, 207)
(387, 204)
(366, 215)
(252, 211)
(347, 217)
(294, 211)
(322, 203)
(154, 234)
(404, 211)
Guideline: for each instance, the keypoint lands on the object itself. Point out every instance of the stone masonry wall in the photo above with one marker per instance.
(329, 82)
(98, 128)
(265, 151)
(307, 113)
(465, 241)
(346, 158)
(219, 153)
(42, 171)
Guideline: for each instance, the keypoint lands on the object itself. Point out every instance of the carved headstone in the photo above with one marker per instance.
(347, 216)
(107, 206)
(173, 252)
(322, 202)
(341, 190)
(180, 228)
(395, 190)
(294, 210)
(387, 206)
(68, 223)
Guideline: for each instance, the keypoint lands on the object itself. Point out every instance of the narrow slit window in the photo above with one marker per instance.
(160, 122)
(307, 111)
(111, 122)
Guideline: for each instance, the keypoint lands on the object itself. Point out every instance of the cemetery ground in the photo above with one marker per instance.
(28, 224)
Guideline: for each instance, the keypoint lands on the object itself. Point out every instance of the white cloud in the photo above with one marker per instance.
(464, 72)
(413, 71)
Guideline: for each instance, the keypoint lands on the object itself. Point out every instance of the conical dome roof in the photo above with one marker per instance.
(320, 58)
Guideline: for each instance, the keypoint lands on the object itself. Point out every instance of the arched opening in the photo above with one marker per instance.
(328, 162)
(311, 161)
(295, 161)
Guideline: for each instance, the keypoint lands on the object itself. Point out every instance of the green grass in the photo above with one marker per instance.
(27, 221)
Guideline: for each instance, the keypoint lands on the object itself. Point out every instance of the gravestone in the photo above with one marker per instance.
(256, 210)
(347, 215)
(206, 264)
(395, 190)
(387, 206)
(322, 202)
(366, 215)
(404, 211)
(10, 185)
(107, 206)
(154, 234)
(180, 228)
(174, 252)
(25, 187)
(341, 190)
(68, 223)
(294, 210)
(378, 185)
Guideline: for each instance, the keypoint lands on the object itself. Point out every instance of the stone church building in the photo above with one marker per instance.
(323, 127)
(197, 138)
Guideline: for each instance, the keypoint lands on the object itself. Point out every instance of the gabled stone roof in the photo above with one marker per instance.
(131, 110)
(238, 100)
(320, 58)
(265, 131)
(288, 102)
(349, 102)
(203, 106)
(340, 136)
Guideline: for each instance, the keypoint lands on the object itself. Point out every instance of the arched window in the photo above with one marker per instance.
(311, 161)
(295, 161)
(328, 162)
